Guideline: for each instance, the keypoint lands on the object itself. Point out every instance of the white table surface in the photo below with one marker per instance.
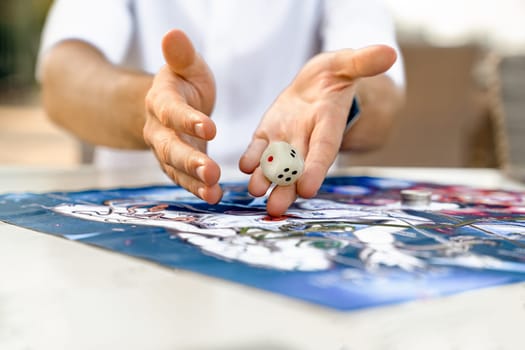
(59, 294)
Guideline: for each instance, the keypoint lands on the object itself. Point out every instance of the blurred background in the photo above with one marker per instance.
(465, 67)
(26, 136)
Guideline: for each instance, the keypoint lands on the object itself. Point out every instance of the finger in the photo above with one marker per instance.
(211, 194)
(251, 157)
(365, 62)
(173, 112)
(258, 184)
(178, 50)
(171, 150)
(280, 200)
(323, 148)
(180, 55)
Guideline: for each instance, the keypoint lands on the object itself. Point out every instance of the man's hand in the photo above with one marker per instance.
(311, 115)
(177, 124)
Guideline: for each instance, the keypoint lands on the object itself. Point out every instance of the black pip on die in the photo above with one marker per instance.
(281, 163)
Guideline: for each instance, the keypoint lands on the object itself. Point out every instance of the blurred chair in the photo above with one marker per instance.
(512, 90)
(451, 117)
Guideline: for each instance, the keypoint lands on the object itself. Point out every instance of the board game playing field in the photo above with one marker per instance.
(353, 246)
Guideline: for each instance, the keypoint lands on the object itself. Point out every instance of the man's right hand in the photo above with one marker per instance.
(177, 125)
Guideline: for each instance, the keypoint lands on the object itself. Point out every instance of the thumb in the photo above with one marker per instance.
(365, 62)
(179, 52)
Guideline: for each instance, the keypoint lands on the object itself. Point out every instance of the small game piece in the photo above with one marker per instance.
(281, 163)
(415, 198)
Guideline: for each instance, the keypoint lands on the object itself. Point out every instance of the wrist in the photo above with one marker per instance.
(131, 91)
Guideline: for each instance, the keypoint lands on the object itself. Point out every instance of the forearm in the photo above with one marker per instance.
(87, 95)
(380, 101)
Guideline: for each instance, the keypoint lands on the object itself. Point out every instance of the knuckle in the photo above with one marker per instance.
(149, 101)
(193, 187)
(183, 180)
(328, 144)
(325, 80)
(163, 114)
(161, 146)
(187, 120)
(172, 174)
(190, 162)
(163, 150)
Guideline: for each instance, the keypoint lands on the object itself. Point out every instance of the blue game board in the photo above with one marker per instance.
(353, 246)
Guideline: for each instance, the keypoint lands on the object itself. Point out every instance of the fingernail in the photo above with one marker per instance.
(200, 172)
(199, 130)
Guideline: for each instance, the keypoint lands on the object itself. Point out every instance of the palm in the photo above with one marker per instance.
(197, 89)
(178, 126)
(188, 78)
(311, 115)
(187, 74)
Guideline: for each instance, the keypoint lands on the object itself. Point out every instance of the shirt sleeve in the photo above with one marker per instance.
(107, 25)
(356, 24)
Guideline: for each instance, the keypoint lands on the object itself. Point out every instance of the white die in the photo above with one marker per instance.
(281, 163)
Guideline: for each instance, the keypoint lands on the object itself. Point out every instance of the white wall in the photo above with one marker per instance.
(499, 24)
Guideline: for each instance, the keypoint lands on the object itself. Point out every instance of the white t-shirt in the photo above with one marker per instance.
(253, 47)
